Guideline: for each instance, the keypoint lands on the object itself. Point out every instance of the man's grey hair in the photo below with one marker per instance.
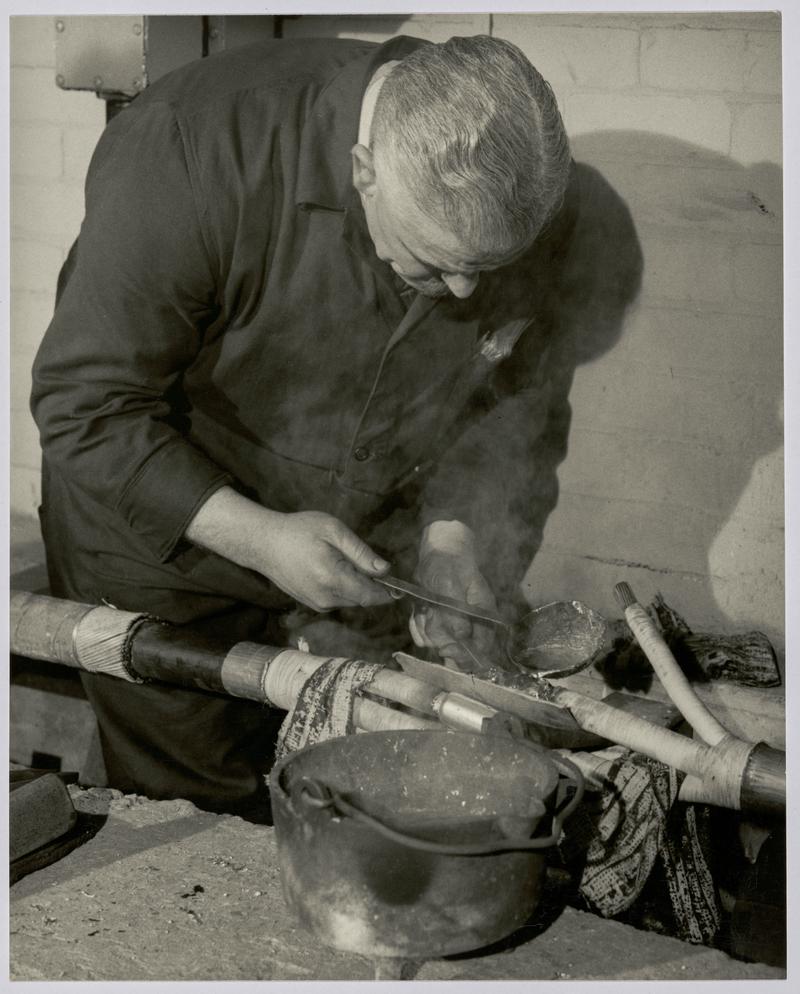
(474, 132)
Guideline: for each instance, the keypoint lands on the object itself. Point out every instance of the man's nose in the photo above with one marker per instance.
(460, 285)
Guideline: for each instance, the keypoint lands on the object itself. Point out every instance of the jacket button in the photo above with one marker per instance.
(362, 453)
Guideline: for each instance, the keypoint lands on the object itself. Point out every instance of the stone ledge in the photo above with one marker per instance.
(167, 892)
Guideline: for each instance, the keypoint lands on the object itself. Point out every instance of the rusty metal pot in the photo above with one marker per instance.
(412, 844)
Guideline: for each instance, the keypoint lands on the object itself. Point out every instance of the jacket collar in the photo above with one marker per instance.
(325, 176)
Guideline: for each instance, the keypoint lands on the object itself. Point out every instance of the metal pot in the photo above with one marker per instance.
(411, 844)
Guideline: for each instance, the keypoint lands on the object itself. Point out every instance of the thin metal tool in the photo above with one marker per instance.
(400, 587)
(439, 600)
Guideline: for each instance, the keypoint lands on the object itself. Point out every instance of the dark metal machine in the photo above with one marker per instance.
(118, 56)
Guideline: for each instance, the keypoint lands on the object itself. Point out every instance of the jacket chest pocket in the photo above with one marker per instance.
(491, 349)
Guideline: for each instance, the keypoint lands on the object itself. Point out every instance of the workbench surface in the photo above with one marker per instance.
(164, 891)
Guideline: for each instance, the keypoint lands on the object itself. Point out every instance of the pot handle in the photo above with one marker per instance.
(318, 795)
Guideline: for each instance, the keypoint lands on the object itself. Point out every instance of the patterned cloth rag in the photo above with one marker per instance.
(324, 707)
(630, 826)
(618, 833)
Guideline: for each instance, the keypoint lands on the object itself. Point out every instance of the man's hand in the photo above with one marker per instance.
(448, 565)
(319, 561)
(312, 556)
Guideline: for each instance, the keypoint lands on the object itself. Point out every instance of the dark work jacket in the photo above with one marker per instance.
(224, 320)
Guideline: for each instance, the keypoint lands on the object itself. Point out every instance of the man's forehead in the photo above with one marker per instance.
(431, 241)
(441, 248)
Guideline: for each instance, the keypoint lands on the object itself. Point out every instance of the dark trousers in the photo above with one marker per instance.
(167, 742)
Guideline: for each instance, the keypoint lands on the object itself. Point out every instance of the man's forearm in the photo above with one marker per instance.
(310, 555)
(234, 526)
(231, 526)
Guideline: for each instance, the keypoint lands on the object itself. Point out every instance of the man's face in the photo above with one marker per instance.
(425, 256)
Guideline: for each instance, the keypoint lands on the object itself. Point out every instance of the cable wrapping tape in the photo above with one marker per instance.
(723, 772)
(102, 641)
(285, 677)
(244, 670)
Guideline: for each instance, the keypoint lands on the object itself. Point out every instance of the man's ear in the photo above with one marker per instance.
(363, 170)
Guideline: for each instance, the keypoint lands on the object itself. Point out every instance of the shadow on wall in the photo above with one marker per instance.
(675, 445)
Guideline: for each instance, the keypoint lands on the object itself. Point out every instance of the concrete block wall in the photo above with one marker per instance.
(674, 475)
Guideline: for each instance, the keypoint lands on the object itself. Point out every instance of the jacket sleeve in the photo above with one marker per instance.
(129, 319)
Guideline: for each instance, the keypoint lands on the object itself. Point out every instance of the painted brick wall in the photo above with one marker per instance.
(674, 476)
(52, 136)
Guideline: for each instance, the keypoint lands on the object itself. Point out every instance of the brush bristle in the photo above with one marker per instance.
(624, 595)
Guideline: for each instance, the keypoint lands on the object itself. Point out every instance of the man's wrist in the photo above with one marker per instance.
(448, 536)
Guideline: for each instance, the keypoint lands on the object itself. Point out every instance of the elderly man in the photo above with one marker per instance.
(306, 332)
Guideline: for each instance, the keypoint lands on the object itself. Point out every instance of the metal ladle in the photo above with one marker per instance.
(553, 640)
